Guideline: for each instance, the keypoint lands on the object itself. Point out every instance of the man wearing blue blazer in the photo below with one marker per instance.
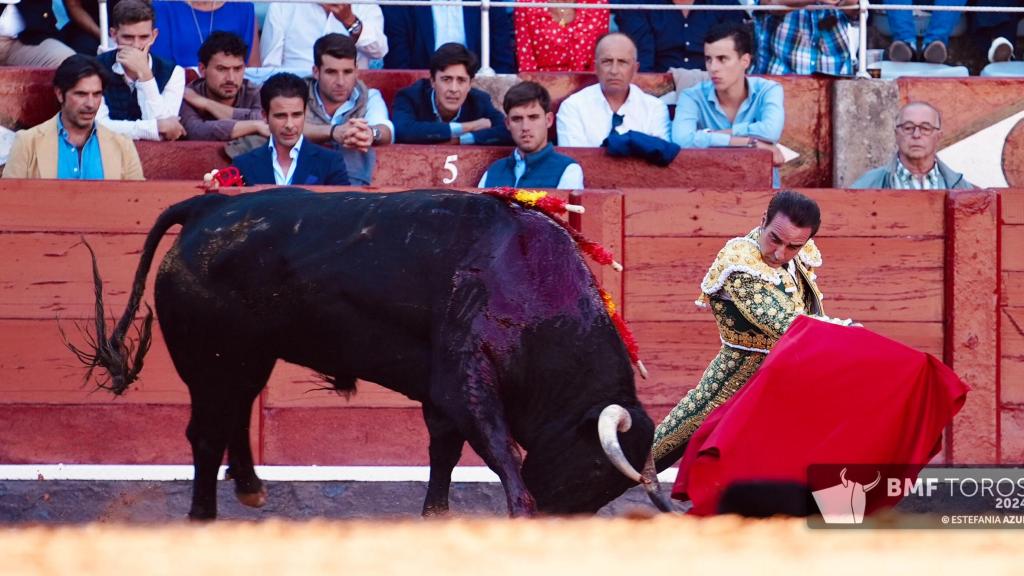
(288, 159)
(415, 32)
(445, 108)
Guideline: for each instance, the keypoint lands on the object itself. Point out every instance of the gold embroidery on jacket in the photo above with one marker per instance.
(753, 305)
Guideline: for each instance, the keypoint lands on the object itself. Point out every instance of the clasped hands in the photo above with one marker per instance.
(355, 133)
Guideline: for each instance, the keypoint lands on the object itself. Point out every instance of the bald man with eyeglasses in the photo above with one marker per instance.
(915, 165)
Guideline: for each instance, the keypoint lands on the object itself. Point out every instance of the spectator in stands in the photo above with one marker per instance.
(342, 111)
(82, 30)
(904, 32)
(803, 41)
(673, 39)
(730, 109)
(221, 104)
(28, 35)
(534, 162)
(558, 39)
(71, 146)
(587, 117)
(416, 32)
(290, 30)
(143, 99)
(915, 165)
(446, 108)
(186, 25)
(996, 32)
(288, 159)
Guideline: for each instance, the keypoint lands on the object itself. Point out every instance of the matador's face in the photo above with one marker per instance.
(781, 240)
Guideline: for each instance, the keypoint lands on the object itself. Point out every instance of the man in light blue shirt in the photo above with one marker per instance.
(449, 25)
(76, 162)
(72, 145)
(416, 32)
(730, 109)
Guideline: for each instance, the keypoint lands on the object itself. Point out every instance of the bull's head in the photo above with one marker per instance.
(574, 474)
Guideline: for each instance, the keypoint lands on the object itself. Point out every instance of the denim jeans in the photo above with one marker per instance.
(939, 27)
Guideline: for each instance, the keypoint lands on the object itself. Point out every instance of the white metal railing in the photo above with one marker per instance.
(862, 8)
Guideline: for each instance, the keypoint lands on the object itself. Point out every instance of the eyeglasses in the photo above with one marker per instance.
(908, 128)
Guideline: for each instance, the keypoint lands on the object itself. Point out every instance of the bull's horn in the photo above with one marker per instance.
(842, 476)
(653, 487)
(614, 419)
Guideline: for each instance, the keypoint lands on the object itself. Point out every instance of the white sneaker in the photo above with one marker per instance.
(1001, 50)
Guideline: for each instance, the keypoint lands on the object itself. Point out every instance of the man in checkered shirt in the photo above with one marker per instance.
(915, 165)
(803, 41)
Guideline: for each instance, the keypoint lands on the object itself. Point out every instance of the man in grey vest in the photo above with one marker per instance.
(341, 112)
(534, 162)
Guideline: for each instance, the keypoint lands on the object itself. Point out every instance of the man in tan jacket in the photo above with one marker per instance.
(71, 145)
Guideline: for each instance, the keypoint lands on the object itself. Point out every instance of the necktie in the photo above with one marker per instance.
(616, 122)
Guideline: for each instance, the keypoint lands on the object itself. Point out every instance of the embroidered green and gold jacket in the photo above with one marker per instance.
(753, 305)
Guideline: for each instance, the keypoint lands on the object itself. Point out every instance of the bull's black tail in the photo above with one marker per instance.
(120, 360)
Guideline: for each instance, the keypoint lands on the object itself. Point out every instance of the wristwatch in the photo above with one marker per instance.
(376, 134)
(355, 28)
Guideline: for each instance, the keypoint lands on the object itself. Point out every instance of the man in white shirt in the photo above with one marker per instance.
(143, 99)
(290, 30)
(587, 117)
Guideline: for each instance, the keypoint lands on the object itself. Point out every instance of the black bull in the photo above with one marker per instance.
(482, 311)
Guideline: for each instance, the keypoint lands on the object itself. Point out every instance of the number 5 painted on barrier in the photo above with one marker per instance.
(449, 165)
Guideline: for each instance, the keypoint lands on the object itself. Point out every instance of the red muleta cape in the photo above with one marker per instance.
(826, 394)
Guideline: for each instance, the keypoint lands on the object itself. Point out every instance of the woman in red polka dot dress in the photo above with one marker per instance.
(558, 39)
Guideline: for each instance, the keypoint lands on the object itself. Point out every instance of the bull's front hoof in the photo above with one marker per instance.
(253, 499)
(435, 512)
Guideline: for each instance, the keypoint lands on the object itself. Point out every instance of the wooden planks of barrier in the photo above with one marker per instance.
(972, 321)
(883, 265)
(48, 276)
(887, 263)
(1011, 327)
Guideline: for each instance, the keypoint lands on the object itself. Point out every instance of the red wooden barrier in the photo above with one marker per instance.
(883, 265)
(1011, 328)
(972, 338)
(417, 166)
(886, 265)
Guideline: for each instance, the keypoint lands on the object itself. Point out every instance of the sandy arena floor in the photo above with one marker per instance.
(662, 545)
